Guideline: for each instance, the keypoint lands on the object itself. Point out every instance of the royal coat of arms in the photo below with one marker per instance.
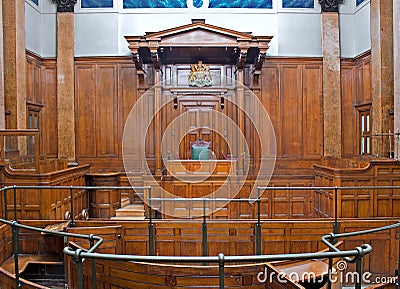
(200, 75)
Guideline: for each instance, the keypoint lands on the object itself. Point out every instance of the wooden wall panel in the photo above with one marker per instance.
(349, 122)
(356, 92)
(106, 111)
(291, 107)
(105, 92)
(275, 204)
(291, 92)
(85, 111)
(41, 85)
(49, 129)
(312, 111)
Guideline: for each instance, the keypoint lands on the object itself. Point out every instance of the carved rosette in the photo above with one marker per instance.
(330, 5)
(65, 5)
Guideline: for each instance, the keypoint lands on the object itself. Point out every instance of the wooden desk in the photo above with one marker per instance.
(202, 167)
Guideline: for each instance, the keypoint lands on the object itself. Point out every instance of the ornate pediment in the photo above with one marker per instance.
(198, 40)
(199, 37)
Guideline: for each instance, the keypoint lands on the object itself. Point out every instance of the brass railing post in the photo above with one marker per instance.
(5, 204)
(258, 225)
(359, 272)
(94, 280)
(221, 264)
(204, 230)
(150, 227)
(15, 234)
(15, 202)
(335, 224)
(71, 195)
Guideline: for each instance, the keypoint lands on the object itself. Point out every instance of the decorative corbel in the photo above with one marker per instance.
(156, 59)
(65, 5)
(241, 59)
(330, 5)
(258, 62)
(257, 66)
(138, 63)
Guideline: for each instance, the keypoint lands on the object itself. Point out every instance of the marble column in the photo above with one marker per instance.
(65, 79)
(14, 64)
(332, 111)
(2, 107)
(382, 72)
(396, 48)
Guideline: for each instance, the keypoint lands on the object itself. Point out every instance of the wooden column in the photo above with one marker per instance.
(14, 61)
(382, 71)
(65, 79)
(240, 101)
(331, 79)
(396, 48)
(157, 106)
(2, 107)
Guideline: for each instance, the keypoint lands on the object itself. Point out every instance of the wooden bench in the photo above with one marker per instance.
(310, 273)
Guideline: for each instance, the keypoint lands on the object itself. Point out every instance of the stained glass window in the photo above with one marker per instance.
(155, 3)
(297, 3)
(197, 3)
(240, 4)
(97, 3)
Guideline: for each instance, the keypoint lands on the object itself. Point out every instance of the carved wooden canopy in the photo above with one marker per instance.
(199, 41)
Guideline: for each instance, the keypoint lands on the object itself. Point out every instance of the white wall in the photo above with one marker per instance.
(100, 32)
(362, 32)
(33, 31)
(299, 34)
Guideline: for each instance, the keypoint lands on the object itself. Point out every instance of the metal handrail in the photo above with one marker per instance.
(330, 239)
(79, 256)
(15, 231)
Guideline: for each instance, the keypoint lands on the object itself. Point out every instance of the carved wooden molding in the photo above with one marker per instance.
(330, 5)
(65, 5)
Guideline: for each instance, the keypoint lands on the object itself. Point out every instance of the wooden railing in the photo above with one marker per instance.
(20, 154)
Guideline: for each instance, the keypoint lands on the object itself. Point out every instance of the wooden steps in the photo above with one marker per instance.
(130, 212)
(24, 260)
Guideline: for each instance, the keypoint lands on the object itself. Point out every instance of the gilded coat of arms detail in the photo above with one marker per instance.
(199, 75)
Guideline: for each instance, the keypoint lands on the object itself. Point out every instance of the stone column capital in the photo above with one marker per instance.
(65, 5)
(330, 5)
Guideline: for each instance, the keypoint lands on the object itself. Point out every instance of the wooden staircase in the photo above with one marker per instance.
(129, 211)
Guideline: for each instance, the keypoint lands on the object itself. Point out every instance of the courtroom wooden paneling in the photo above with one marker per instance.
(291, 91)
(360, 203)
(112, 274)
(41, 81)
(356, 92)
(45, 204)
(275, 204)
(107, 88)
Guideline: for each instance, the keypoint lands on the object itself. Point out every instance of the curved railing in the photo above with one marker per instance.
(79, 255)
